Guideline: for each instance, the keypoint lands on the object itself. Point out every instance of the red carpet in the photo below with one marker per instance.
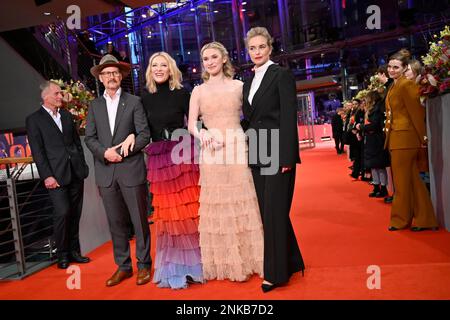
(340, 231)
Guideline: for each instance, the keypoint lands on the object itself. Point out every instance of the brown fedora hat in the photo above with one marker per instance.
(110, 61)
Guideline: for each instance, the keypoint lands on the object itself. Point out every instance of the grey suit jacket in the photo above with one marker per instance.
(130, 118)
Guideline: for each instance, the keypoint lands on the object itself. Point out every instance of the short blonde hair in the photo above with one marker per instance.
(175, 76)
(228, 69)
(259, 31)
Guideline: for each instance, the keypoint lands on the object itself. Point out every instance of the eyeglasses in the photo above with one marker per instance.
(110, 74)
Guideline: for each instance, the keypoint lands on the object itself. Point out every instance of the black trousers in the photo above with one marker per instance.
(68, 203)
(124, 204)
(282, 255)
(339, 143)
(358, 159)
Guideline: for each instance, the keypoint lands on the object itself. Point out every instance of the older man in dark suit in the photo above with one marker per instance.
(58, 154)
(121, 177)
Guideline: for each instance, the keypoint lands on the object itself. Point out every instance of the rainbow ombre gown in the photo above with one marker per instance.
(175, 200)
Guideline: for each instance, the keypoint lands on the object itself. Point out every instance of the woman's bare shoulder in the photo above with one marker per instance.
(237, 83)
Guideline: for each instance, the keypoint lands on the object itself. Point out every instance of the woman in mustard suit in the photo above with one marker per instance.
(405, 134)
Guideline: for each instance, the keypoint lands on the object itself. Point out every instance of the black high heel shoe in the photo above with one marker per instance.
(268, 287)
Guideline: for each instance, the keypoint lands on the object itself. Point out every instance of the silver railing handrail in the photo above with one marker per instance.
(21, 244)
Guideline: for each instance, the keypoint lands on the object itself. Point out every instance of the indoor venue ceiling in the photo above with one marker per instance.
(16, 14)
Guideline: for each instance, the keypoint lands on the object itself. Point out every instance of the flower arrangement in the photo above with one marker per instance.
(76, 99)
(345, 102)
(435, 78)
(361, 94)
(376, 84)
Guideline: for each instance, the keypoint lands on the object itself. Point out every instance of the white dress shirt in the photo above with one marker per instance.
(56, 118)
(259, 75)
(111, 106)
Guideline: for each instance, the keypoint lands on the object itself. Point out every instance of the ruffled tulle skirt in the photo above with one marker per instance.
(231, 233)
(174, 184)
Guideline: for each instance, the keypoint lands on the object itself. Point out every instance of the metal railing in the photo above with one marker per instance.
(26, 227)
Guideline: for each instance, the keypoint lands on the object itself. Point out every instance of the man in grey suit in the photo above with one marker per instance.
(121, 178)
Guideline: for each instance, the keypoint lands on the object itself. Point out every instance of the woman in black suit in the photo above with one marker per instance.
(270, 110)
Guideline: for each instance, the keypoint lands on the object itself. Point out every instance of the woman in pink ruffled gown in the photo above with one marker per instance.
(231, 234)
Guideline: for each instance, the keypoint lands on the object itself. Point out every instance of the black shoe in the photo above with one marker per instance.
(393, 228)
(191, 280)
(354, 176)
(382, 193)
(418, 229)
(78, 258)
(268, 287)
(375, 191)
(388, 199)
(63, 263)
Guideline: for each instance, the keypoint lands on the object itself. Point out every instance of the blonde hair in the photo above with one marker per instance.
(259, 31)
(227, 69)
(416, 67)
(174, 73)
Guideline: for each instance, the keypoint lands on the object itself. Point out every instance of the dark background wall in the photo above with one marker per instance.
(19, 88)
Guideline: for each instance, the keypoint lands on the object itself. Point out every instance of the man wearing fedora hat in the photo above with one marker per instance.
(121, 176)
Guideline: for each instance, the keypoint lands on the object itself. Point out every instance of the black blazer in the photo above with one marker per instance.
(274, 106)
(56, 153)
(130, 118)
